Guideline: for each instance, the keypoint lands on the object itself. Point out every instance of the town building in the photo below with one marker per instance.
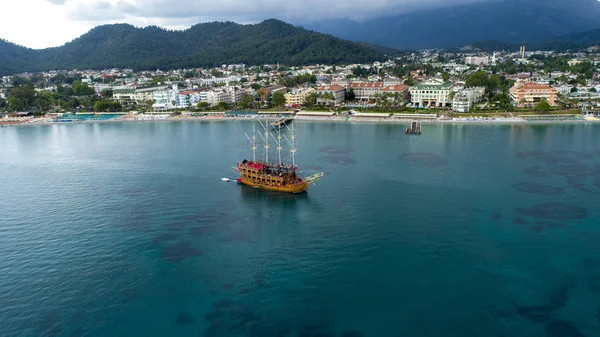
(331, 95)
(144, 94)
(216, 80)
(528, 94)
(167, 99)
(266, 93)
(563, 89)
(370, 91)
(464, 99)
(296, 98)
(432, 93)
(124, 94)
(477, 60)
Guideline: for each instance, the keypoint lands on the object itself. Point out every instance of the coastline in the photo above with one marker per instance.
(335, 119)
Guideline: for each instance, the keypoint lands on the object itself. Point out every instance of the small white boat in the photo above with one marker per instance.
(225, 179)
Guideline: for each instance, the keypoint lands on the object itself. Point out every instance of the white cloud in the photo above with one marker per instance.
(46, 23)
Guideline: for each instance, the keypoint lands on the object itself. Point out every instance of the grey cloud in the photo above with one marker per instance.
(181, 12)
(98, 10)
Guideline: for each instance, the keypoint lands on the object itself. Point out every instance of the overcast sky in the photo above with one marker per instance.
(49, 23)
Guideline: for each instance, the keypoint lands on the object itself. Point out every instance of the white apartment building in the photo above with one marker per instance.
(432, 93)
(124, 94)
(146, 94)
(464, 99)
(564, 89)
(207, 82)
(477, 60)
(165, 99)
(233, 94)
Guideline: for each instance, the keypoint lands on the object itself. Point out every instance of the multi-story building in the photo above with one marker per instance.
(296, 98)
(396, 92)
(266, 93)
(432, 93)
(217, 80)
(369, 91)
(366, 91)
(464, 99)
(331, 95)
(563, 89)
(233, 94)
(124, 94)
(531, 93)
(477, 60)
(166, 99)
(146, 94)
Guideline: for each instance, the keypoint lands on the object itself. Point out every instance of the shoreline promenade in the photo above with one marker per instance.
(215, 117)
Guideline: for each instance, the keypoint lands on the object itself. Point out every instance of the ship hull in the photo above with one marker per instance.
(292, 188)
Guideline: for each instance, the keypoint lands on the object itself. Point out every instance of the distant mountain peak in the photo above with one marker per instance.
(455, 26)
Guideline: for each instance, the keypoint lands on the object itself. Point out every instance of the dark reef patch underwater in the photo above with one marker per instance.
(423, 159)
(554, 211)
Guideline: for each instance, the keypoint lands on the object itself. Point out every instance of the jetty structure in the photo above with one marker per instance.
(414, 128)
(281, 123)
(273, 174)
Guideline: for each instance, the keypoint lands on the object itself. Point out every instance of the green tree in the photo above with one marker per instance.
(445, 77)
(82, 89)
(107, 105)
(310, 100)
(542, 106)
(248, 99)
(203, 105)
(278, 99)
(409, 81)
(216, 73)
(350, 95)
(107, 93)
(43, 101)
(223, 106)
(21, 98)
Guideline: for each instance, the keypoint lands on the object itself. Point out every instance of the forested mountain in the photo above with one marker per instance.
(576, 41)
(206, 44)
(455, 26)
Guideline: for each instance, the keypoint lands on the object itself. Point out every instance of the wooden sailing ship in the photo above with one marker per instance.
(273, 176)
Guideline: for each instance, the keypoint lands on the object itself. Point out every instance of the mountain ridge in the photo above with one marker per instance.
(201, 45)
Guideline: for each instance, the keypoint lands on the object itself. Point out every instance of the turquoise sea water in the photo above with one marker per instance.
(125, 229)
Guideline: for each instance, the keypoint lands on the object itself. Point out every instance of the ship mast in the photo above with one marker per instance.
(267, 146)
(279, 147)
(253, 143)
(292, 144)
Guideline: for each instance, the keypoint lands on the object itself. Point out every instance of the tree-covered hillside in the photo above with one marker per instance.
(207, 44)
